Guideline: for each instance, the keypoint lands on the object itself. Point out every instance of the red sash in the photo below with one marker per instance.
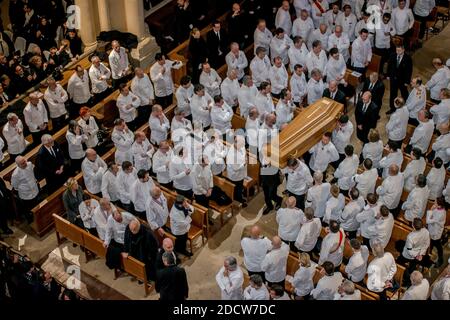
(319, 6)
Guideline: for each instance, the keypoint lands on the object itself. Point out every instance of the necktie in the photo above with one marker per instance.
(371, 86)
(332, 95)
(364, 7)
(218, 35)
(399, 58)
(364, 108)
(52, 152)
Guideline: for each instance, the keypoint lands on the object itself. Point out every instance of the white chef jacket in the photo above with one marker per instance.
(366, 181)
(302, 28)
(412, 170)
(24, 181)
(441, 111)
(379, 271)
(440, 79)
(110, 186)
(417, 292)
(177, 172)
(382, 229)
(422, 135)
(385, 6)
(126, 180)
(239, 63)
(157, 212)
(202, 179)
(261, 293)
(15, 141)
(391, 190)
(441, 289)
(342, 43)
(317, 198)
(391, 158)
(278, 78)
(416, 203)
(274, 263)
(142, 154)
(303, 279)
(255, 251)
(347, 218)
(298, 180)
(163, 82)
(216, 153)
(346, 170)
(75, 145)
(361, 52)
(35, 116)
(383, 40)
(260, 69)
(90, 130)
(298, 87)
(327, 286)
(236, 164)
(416, 101)
(301, 4)
(374, 151)
(333, 208)
(161, 167)
(280, 47)
(318, 62)
(297, 56)
(330, 243)
(251, 130)
(308, 235)
(98, 78)
(283, 20)
(357, 265)
(264, 104)
(331, 19)
(184, 97)
(262, 39)
(341, 137)
(246, 99)
(87, 213)
(423, 7)
(127, 106)
(158, 131)
(318, 35)
(403, 20)
(93, 173)
(199, 109)
(231, 286)
(123, 141)
(100, 218)
(441, 145)
(179, 223)
(314, 90)
(289, 223)
(115, 230)
(436, 222)
(446, 192)
(211, 81)
(417, 243)
(315, 10)
(56, 101)
(436, 182)
(348, 24)
(230, 90)
(367, 220)
(221, 117)
(322, 155)
(397, 124)
(140, 192)
(356, 295)
(118, 62)
(78, 88)
(336, 68)
(143, 89)
(284, 112)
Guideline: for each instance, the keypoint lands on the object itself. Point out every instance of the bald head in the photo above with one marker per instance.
(393, 170)
(255, 232)
(155, 192)
(134, 226)
(276, 242)
(167, 245)
(291, 202)
(91, 154)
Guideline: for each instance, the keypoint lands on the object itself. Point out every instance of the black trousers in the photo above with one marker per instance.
(166, 185)
(238, 190)
(384, 54)
(37, 137)
(180, 243)
(187, 193)
(300, 200)
(101, 95)
(413, 122)
(117, 82)
(366, 242)
(202, 200)
(26, 206)
(395, 86)
(438, 244)
(423, 24)
(143, 114)
(261, 273)
(270, 185)
(362, 134)
(271, 284)
(74, 108)
(351, 234)
(58, 123)
(165, 101)
(75, 165)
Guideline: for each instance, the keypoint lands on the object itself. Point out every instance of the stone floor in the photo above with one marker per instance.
(97, 280)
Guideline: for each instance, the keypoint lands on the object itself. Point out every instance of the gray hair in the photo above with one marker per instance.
(315, 71)
(416, 277)
(378, 250)
(257, 280)
(168, 258)
(246, 79)
(348, 287)
(11, 115)
(232, 262)
(46, 138)
(318, 176)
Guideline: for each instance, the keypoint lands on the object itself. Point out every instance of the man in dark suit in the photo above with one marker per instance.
(167, 246)
(217, 43)
(50, 163)
(366, 116)
(399, 72)
(376, 87)
(7, 210)
(171, 282)
(334, 93)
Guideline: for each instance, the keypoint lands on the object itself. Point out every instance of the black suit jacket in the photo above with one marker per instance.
(214, 44)
(368, 119)
(339, 97)
(171, 283)
(159, 263)
(47, 164)
(377, 91)
(403, 72)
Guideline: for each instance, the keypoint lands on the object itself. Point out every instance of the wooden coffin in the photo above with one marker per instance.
(305, 131)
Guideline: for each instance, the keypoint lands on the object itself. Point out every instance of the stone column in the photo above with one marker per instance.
(144, 54)
(104, 16)
(88, 32)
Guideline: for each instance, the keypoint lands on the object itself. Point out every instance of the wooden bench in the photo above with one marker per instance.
(228, 188)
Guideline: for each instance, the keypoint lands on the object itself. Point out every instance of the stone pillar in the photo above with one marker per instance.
(144, 54)
(104, 17)
(88, 32)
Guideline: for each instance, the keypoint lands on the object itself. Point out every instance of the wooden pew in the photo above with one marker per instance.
(228, 188)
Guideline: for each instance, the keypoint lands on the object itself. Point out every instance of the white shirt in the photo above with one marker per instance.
(15, 140)
(278, 77)
(417, 292)
(342, 43)
(202, 179)
(367, 220)
(441, 146)
(251, 130)
(110, 186)
(357, 265)
(379, 271)
(140, 192)
(264, 104)
(346, 170)
(184, 97)
(436, 182)
(297, 56)
(318, 35)
(236, 164)
(177, 172)
(391, 190)
(322, 155)
(118, 62)
(391, 158)
(35, 116)
(157, 212)
(143, 89)
(302, 28)
(93, 173)
(255, 251)
(366, 181)
(356, 295)
(333, 248)
(341, 136)
(336, 69)
(327, 287)
(313, 61)
(90, 130)
(315, 11)
(333, 208)
(416, 203)
(161, 165)
(374, 152)
(238, 62)
(303, 279)
(211, 81)
(383, 35)
(142, 154)
(397, 124)
(159, 130)
(441, 289)
(100, 218)
(298, 87)
(440, 79)
(127, 106)
(347, 217)
(332, 19)
(179, 222)
(123, 141)
(298, 180)
(422, 135)
(260, 69)
(446, 192)
(163, 81)
(308, 235)
(416, 101)
(283, 20)
(56, 101)
(289, 223)
(348, 24)
(216, 153)
(382, 229)
(126, 180)
(280, 47)
(423, 7)
(24, 181)
(262, 39)
(317, 198)
(436, 222)
(441, 112)
(75, 145)
(314, 90)
(200, 110)
(231, 286)
(417, 243)
(274, 264)
(403, 20)
(98, 77)
(87, 213)
(230, 91)
(221, 117)
(361, 52)
(116, 230)
(246, 99)
(261, 293)
(284, 112)
(78, 88)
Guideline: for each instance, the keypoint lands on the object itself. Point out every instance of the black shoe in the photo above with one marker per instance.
(210, 222)
(278, 206)
(267, 210)
(438, 263)
(7, 231)
(244, 204)
(187, 253)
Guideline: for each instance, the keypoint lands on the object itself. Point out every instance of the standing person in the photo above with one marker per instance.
(180, 172)
(157, 212)
(36, 117)
(435, 220)
(123, 139)
(99, 75)
(51, 163)
(381, 271)
(161, 76)
(171, 282)
(341, 136)
(376, 87)
(230, 279)
(322, 154)
(127, 177)
(127, 103)
(262, 36)
(159, 125)
(260, 67)
(256, 290)
(180, 223)
(161, 164)
(439, 80)
(198, 52)
(76, 140)
(89, 126)
(398, 122)
(140, 191)
(356, 267)
(119, 64)
(399, 74)
(56, 98)
(416, 101)
(13, 134)
(184, 95)
(403, 20)
(24, 182)
(390, 191)
(93, 168)
(255, 249)
(303, 277)
(283, 17)
(142, 152)
(421, 11)
(366, 115)
(142, 87)
(72, 198)
(366, 181)
(202, 181)
(270, 179)
(274, 263)
(79, 91)
(299, 179)
(237, 167)
(236, 59)
(6, 202)
(290, 220)
(210, 79)
(217, 42)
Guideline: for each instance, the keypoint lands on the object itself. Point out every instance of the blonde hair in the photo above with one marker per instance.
(373, 136)
(304, 260)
